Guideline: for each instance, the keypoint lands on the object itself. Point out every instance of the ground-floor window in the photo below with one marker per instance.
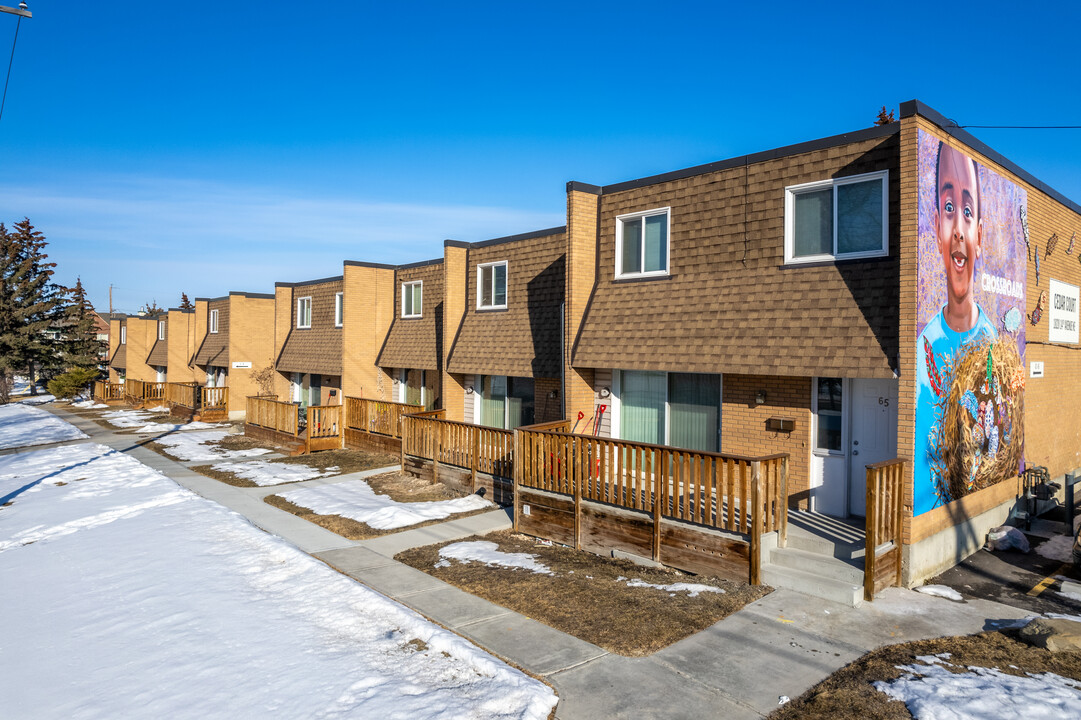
(216, 376)
(160, 374)
(504, 402)
(678, 409)
(305, 389)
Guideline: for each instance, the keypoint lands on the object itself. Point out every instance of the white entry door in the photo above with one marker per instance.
(872, 436)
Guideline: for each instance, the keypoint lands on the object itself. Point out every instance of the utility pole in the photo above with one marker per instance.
(22, 12)
(110, 302)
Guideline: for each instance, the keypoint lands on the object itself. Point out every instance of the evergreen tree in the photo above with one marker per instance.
(81, 347)
(884, 118)
(185, 304)
(151, 308)
(30, 305)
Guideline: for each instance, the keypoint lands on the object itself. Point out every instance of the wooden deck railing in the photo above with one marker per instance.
(153, 392)
(376, 416)
(475, 447)
(324, 427)
(133, 391)
(139, 392)
(885, 513)
(273, 414)
(106, 391)
(182, 394)
(739, 494)
(214, 398)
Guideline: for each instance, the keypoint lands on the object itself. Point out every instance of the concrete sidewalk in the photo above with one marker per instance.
(780, 645)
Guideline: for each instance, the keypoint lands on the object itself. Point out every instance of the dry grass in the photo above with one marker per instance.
(398, 486)
(848, 694)
(583, 598)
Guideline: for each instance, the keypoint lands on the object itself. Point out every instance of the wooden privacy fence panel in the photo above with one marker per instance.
(885, 513)
(376, 416)
(182, 394)
(712, 489)
(273, 414)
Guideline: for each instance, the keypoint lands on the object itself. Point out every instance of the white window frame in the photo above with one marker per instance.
(300, 315)
(213, 321)
(123, 334)
(161, 329)
(615, 406)
(845, 393)
(790, 193)
(620, 220)
(339, 309)
(506, 290)
(408, 286)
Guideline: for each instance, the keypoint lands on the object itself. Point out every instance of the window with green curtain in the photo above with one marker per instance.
(642, 398)
(694, 411)
(493, 396)
(414, 380)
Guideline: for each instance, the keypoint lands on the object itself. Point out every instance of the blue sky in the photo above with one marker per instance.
(203, 148)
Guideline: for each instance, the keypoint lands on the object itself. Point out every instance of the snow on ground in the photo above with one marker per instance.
(692, 589)
(33, 399)
(21, 425)
(126, 419)
(942, 591)
(264, 472)
(125, 595)
(159, 427)
(89, 405)
(486, 552)
(189, 446)
(932, 691)
(356, 500)
(1059, 547)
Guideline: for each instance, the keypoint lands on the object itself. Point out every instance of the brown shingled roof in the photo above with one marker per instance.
(317, 349)
(523, 340)
(214, 349)
(730, 304)
(120, 357)
(416, 342)
(159, 354)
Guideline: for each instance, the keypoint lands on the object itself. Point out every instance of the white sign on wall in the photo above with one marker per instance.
(1035, 369)
(1062, 315)
(241, 365)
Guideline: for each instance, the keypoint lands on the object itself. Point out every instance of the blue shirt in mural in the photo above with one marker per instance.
(944, 344)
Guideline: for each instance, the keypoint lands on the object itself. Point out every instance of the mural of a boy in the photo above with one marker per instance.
(958, 226)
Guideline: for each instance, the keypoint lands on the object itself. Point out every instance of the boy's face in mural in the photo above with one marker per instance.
(960, 235)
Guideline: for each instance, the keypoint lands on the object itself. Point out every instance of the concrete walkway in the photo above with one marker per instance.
(780, 645)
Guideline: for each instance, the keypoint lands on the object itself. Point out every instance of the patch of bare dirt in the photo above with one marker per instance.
(584, 598)
(849, 695)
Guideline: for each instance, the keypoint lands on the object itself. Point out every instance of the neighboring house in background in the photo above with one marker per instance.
(503, 362)
(158, 358)
(309, 317)
(412, 353)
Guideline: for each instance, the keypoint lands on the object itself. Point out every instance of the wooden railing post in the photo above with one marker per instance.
(574, 477)
(475, 455)
(782, 540)
(407, 432)
(872, 536)
(899, 517)
(756, 523)
(516, 478)
(436, 450)
(657, 493)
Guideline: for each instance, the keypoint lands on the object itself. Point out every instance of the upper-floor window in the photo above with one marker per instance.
(339, 308)
(304, 312)
(213, 321)
(161, 329)
(642, 243)
(492, 285)
(412, 299)
(123, 334)
(837, 219)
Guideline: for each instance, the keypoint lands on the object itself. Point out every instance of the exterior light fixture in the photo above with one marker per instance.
(760, 397)
(605, 392)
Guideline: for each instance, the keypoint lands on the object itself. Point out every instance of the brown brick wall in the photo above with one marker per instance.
(1052, 416)
(743, 423)
(181, 336)
(582, 213)
(369, 308)
(455, 262)
(141, 335)
(251, 339)
(545, 408)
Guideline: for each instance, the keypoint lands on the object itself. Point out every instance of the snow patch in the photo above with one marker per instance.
(189, 446)
(265, 472)
(1059, 547)
(354, 499)
(941, 591)
(486, 552)
(21, 426)
(692, 589)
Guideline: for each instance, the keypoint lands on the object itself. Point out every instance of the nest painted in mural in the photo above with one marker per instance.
(981, 431)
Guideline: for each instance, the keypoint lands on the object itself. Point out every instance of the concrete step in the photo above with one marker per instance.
(823, 546)
(809, 583)
(817, 564)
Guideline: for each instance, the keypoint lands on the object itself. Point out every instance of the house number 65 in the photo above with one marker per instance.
(884, 401)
